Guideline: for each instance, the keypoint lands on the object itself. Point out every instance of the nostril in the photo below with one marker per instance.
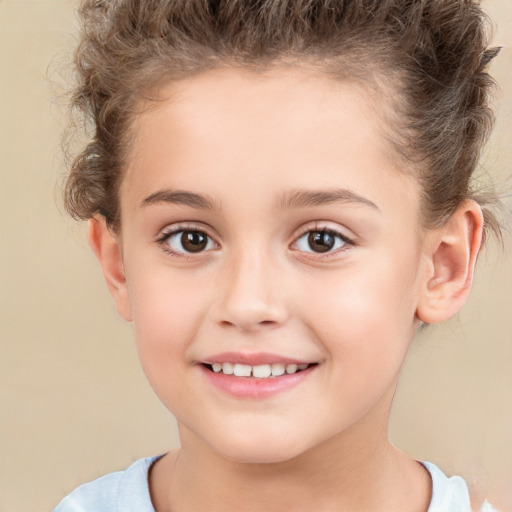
(248, 310)
(247, 324)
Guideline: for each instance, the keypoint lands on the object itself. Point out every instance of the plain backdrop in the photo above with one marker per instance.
(74, 403)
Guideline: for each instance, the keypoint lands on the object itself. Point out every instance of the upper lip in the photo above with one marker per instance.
(252, 359)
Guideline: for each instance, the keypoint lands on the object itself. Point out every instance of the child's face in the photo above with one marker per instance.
(279, 158)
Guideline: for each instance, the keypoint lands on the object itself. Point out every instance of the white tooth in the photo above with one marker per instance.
(302, 366)
(278, 369)
(227, 368)
(261, 371)
(291, 368)
(242, 370)
(216, 367)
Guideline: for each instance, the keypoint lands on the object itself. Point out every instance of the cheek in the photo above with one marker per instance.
(166, 309)
(365, 315)
(364, 331)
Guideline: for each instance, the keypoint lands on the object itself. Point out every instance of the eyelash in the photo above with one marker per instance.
(180, 228)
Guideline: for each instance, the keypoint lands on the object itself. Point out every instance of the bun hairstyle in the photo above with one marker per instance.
(426, 58)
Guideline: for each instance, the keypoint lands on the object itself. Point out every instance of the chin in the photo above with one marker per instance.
(248, 456)
(259, 450)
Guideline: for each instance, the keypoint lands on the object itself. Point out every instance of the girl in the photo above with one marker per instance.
(279, 195)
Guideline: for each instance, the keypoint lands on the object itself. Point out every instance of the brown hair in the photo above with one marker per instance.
(433, 53)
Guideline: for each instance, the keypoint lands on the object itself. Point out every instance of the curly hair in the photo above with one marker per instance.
(428, 58)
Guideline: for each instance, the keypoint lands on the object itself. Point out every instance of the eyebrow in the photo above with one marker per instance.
(200, 201)
(300, 198)
(304, 198)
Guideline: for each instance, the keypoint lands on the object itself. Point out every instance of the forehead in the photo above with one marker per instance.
(265, 98)
(226, 92)
(259, 130)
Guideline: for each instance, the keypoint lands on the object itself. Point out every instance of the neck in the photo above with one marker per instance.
(357, 470)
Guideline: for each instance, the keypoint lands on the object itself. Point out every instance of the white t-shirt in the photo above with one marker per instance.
(128, 491)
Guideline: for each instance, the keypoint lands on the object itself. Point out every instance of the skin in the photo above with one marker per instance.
(245, 141)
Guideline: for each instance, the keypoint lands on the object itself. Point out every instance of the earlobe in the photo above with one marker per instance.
(451, 259)
(107, 248)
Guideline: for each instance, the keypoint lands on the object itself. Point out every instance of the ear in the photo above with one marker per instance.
(451, 263)
(107, 248)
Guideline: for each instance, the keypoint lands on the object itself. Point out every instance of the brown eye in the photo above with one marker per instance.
(321, 241)
(193, 241)
(188, 241)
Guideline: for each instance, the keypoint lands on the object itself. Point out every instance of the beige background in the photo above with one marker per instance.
(74, 403)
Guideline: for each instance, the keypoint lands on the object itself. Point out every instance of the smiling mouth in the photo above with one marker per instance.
(262, 371)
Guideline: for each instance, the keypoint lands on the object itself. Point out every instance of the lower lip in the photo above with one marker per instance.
(254, 388)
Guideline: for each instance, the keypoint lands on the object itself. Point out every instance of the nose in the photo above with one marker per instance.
(252, 297)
